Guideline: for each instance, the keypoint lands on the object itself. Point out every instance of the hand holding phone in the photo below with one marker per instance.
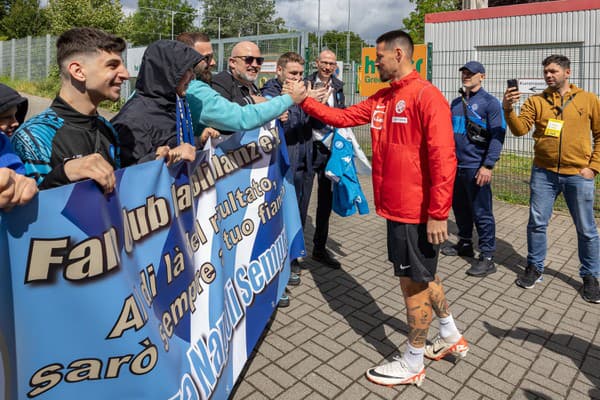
(511, 96)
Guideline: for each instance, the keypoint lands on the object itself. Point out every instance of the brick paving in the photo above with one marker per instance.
(542, 343)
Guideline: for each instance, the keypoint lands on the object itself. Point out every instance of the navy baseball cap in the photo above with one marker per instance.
(474, 67)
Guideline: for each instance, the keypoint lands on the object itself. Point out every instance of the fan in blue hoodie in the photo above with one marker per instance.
(15, 188)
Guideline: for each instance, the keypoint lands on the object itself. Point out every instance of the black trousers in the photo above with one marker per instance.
(324, 195)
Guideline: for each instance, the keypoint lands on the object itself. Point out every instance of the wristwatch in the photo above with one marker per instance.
(488, 167)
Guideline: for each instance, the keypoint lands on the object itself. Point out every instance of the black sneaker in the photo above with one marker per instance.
(529, 278)
(295, 267)
(591, 291)
(294, 280)
(462, 248)
(284, 301)
(324, 257)
(484, 267)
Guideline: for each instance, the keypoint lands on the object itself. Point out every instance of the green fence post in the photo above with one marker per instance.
(429, 61)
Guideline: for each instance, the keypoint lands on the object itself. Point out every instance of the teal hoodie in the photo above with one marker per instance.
(209, 108)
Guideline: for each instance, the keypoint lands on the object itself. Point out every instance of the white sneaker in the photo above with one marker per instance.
(395, 373)
(440, 348)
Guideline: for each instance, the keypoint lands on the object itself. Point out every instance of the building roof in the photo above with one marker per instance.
(547, 7)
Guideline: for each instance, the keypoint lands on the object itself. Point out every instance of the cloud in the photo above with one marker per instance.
(367, 19)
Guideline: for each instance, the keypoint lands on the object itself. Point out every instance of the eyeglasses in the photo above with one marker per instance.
(250, 59)
(208, 57)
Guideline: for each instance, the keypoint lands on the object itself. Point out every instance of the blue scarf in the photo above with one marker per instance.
(185, 131)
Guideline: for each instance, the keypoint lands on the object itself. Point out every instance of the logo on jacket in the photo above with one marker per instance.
(400, 106)
(377, 117)
(338, 144)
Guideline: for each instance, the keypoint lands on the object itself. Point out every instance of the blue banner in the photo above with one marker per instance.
(159, 290)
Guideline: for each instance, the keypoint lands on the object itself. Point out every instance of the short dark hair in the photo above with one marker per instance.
(562, 61)
(397, 38)
(289, 57)
(86, 40)
(191, 38)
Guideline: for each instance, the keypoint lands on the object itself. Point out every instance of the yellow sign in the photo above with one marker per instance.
(368, 76)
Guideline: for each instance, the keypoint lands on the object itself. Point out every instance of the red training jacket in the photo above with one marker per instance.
(414, 162)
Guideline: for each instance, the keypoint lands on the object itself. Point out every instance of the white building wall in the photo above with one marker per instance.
(514, 47)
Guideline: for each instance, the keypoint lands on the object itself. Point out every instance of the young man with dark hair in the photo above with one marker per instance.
(298, 138)
(566, 121)
(414, 165)
(69, 141)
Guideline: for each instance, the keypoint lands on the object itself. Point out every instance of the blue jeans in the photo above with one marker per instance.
(472, 204)
(579, 195)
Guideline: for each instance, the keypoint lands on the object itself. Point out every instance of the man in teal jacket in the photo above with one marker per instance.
(209, 108)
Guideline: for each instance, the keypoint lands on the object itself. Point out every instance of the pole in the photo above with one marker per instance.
(348, 37)
(318, 25)
(172, 24)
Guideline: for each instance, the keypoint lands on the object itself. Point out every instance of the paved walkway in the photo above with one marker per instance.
(542, 343)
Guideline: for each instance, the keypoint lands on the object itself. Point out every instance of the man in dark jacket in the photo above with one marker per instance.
(324, 76)
(69, 141)
(158, 114)
(237, 82)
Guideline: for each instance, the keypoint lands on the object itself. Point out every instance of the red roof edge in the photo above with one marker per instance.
(546, 7)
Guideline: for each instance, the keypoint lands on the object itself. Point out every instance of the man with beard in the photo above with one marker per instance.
(237, 83)
(413, 173)
(69, 141)
(564, 162)
(209, 108)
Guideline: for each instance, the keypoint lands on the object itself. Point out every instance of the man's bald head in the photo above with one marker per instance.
(245, 62)
(326, 65)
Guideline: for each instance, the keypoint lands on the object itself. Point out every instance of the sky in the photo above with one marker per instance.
(368, 18)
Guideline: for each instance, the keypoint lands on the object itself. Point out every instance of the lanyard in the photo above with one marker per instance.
(560, 109)
(467, 105)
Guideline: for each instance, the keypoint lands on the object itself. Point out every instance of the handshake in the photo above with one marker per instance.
(299, 91)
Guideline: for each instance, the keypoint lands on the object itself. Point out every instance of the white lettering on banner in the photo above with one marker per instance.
(208, 356)
(88, 259)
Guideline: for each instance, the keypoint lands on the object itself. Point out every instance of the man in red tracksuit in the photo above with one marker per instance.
(414, 166)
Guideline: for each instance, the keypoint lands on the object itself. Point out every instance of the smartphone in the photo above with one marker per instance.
(512, 83)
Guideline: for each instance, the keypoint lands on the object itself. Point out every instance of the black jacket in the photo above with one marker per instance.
(58, 134)
(233, 90)
(339, 100)
(148, 120)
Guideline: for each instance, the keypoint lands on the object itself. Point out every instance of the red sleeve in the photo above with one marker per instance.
(358, 114)
(437, 127)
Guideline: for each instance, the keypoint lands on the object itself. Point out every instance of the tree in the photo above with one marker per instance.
(249, 17)
(415, 23)
(336, 41)
(103, 14)
(24, 18)
(159, 19)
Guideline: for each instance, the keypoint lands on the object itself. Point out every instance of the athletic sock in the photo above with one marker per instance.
(448, 330)
(413, 356)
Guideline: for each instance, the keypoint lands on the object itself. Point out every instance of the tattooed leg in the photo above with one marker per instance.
(418, 309)
(438, 298)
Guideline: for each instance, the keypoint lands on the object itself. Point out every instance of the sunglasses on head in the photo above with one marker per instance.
(250, 59)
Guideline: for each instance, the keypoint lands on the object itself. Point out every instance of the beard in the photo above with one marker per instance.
(204, 75)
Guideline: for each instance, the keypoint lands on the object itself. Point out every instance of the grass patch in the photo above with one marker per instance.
(49, 88)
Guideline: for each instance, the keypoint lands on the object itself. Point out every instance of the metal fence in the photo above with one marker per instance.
(29, 58)
(511, 175)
